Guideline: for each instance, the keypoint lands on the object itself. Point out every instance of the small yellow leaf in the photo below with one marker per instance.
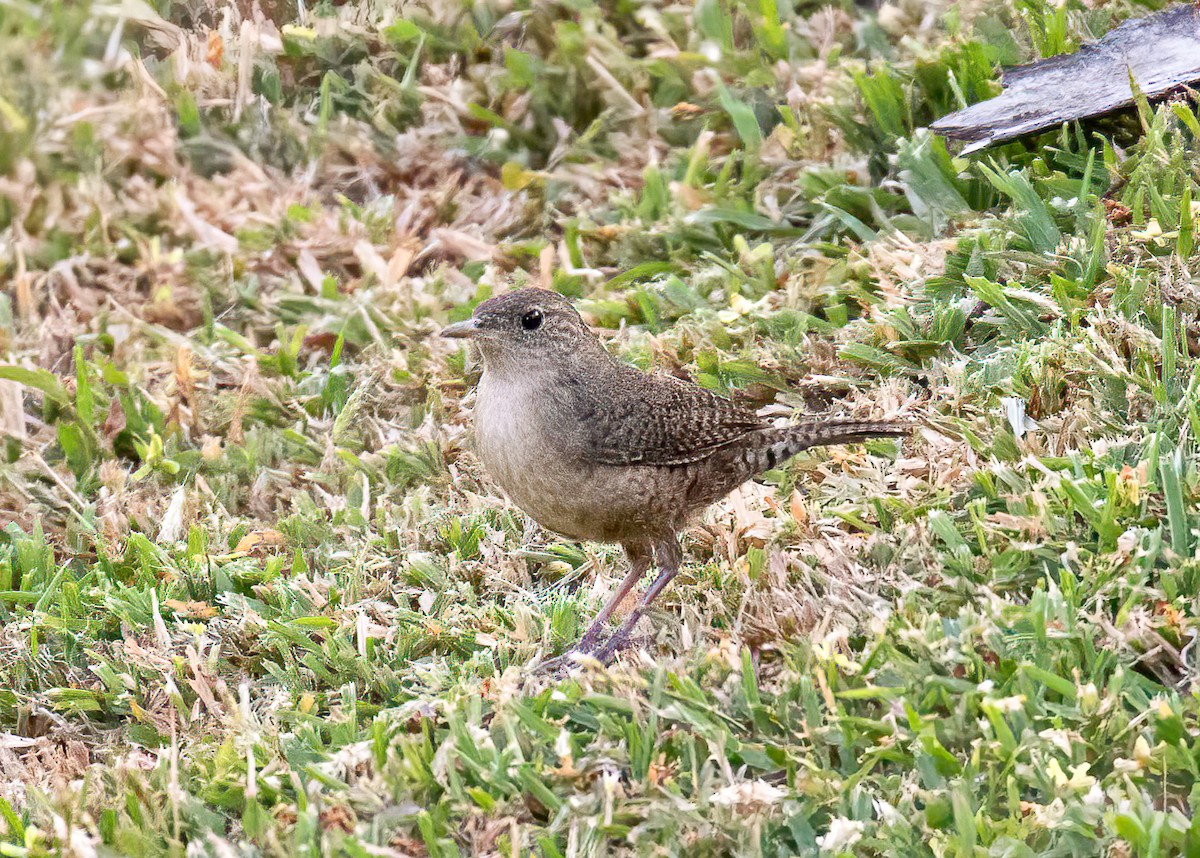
(259, 541)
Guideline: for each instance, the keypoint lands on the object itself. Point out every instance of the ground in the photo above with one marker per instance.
(258, 597)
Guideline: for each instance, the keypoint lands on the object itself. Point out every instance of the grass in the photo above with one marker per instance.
(258, 597)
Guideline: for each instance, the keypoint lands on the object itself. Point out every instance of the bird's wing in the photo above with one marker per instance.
(661, 420)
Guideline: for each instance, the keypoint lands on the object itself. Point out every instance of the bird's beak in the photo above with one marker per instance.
(459, 330)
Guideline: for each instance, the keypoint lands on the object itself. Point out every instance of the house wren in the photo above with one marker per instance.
(594, 449)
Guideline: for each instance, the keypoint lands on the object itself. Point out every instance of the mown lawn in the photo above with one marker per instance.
(258, 597)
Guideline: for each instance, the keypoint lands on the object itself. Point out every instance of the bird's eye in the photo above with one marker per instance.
(532, 320)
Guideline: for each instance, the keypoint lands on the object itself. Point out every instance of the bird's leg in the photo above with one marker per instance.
(639, 561)
(669, 559)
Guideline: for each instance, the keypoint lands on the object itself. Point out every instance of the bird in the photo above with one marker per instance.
(597, 450)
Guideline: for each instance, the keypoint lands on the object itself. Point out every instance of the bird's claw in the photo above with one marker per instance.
(587, 644)
(584, 651)
(614, 645)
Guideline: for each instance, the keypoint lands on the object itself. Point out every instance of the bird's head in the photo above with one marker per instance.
(526, 329)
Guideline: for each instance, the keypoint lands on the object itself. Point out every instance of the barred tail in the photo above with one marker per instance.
(730, 466)
(791, 440)
(822, 433)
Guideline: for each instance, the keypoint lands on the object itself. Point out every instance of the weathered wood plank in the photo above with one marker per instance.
(1160, 51)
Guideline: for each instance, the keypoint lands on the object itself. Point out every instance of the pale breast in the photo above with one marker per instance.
(526, 450)
(503, 427)
(515, 451)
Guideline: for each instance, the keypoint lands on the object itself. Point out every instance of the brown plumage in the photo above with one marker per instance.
(597, 450)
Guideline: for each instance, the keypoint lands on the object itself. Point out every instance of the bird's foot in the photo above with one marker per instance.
(552, 666)
(584, 650)
(614, 645)
(587, 651)
(594, 647)
(559, 666)
(591, 641)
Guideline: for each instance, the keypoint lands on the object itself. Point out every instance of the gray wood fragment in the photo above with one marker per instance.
(1160, 51)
